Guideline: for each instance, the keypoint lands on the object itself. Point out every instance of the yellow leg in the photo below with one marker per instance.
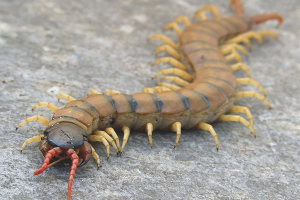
(208, 127)
(149, 90)
(92, 91)
(252, 94)
(175, 79)
(176, 127)
(156, 89)
(241, 66)
(184, 19)
(236, 118)
(50, 106)
(34, 118)
(252, 82)
(168, 49)
(149, 129)
(37, 138)
(99, 138)
(172, 61)
(244, 37)
(234, 56)
(65, 96)
(227, 48)
(265, 33)
(174, 26)
(112, 132)
(108, 92)
(178, 72)
(108, 138)
(96, 156)
(126, 131)
(168, 85)
(165, 39)
(242, 109)
(213, 9)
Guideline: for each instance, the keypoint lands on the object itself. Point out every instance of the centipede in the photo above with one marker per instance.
(201, 88)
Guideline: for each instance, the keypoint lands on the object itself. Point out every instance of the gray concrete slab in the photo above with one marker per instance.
(48, 47)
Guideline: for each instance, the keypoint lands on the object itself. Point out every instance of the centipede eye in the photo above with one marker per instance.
(65, 135)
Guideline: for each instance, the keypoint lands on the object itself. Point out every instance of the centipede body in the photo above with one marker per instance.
(209, 91)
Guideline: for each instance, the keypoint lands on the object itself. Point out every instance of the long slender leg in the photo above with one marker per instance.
(241, 66)
(65, 96)
(176, 127)
(213, 9)
(108, 138)
(156, 89)
(253, 94)
(165, 39)
(168, 85)
(242, 109)
(99, 138)
(168, 49)
(228, 48)
(174, 26)
(108, 92)
(244, 37)
(252, 82)
(236, 118)
(112, 132)
(178, 72)
(238, 6)
(149, 129)
(96, 156)
(126, 131)
(172, 61)
(234, 56)
(50, 106)
(93, 91)
(184, 19)
(34, 118)
(209, 128)
(37, 138)
(176, 79)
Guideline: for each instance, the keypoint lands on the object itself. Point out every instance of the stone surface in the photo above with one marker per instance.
(48, 47)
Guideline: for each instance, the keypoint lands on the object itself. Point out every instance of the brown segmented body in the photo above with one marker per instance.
(210, 94)
(206, 99)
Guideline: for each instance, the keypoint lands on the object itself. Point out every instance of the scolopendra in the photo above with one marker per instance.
(209, 90)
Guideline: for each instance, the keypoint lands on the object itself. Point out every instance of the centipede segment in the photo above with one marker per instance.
(200, 89)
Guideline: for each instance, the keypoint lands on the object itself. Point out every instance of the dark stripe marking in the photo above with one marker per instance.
(204, 49)
(219, 68)
(200, 31)
(219, 89)
(199, 41)
(184, 100)
(210, 28)
(158, 103)
(202, 60)
(91, 106)
(132, 102)
(225, 81)
(230, 23)
(220, 24)
(111, 101)
(214, 61)
(205, 99)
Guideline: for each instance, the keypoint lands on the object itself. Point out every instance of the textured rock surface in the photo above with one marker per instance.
(48, 47)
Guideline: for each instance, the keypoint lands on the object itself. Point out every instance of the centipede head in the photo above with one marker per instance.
(65, 140)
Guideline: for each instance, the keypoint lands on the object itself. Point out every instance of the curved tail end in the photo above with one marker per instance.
(257, 19)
